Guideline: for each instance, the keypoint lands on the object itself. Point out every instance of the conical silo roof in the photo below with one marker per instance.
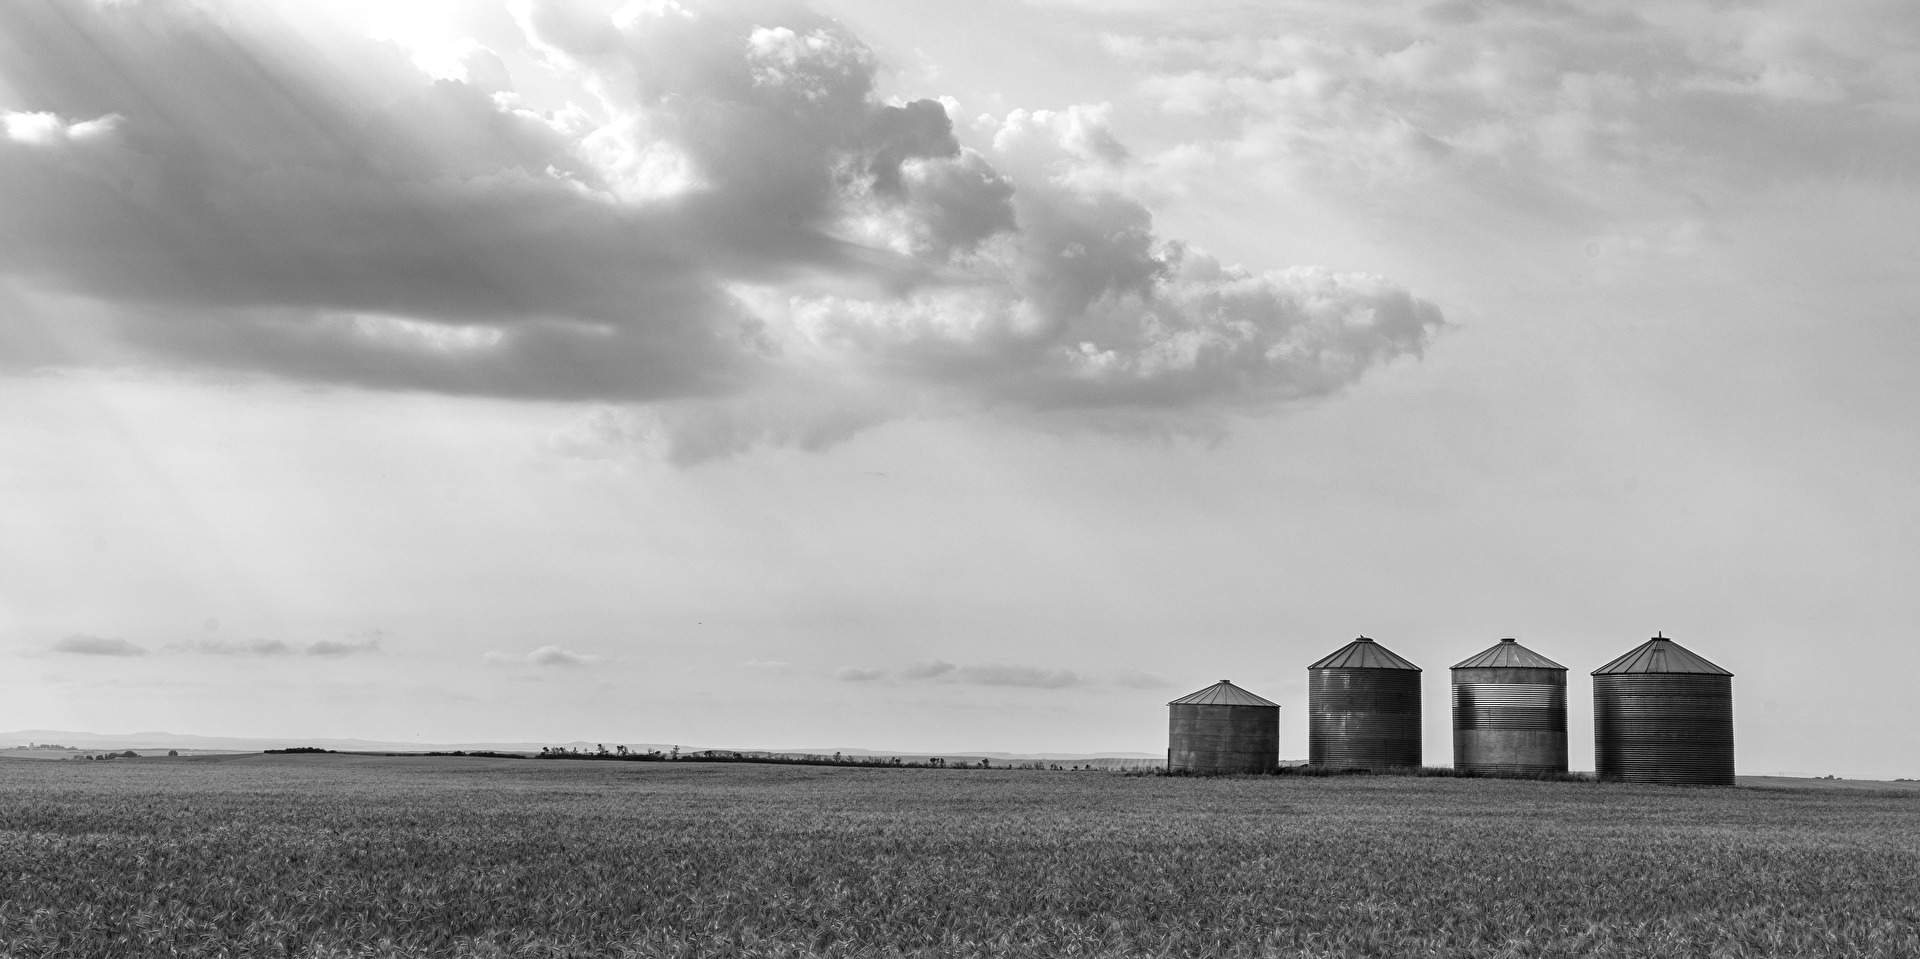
(1660, 655)
(1363, 653)
(1508, 653)
(1222, 693)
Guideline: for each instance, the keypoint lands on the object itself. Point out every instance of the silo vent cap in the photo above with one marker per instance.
(1509, 640)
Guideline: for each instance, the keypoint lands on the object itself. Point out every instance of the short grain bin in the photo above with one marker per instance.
(1223, 729)
(1662, 714)
(1510, 712)
(1363, 708)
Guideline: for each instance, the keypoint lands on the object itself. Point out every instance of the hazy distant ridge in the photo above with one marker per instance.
(166, 740)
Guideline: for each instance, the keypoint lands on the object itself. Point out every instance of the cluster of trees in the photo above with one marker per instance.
(600, 751)
(129, 754)
(622, 753)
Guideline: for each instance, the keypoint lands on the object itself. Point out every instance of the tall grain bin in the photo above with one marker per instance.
(1363, 708)
(1662, 714)
(1510, 712)
(1223, 729)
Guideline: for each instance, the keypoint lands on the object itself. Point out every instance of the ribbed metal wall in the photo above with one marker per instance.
(1510, 719)
(1222, 739)
(1664, 728)
(1363, 717)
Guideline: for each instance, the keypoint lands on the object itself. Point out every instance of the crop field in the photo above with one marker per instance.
(335, 856)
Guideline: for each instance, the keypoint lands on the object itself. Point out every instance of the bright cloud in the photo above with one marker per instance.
(730, 215)
(549, 656)
(1581, 110)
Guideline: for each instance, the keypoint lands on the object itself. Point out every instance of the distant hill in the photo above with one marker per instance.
(167, 740)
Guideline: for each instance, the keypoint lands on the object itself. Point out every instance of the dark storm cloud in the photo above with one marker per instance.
(242, 196)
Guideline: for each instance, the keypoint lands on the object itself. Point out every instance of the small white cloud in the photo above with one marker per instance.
(859, 674)
(84, 645)
(544, 656)
(555, 656)
(768, 665)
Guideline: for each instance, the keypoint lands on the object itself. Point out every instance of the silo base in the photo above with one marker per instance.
(1525, 751)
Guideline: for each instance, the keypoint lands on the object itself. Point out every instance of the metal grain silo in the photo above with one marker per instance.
(1223, 729)
(1663, 715)
(1363, 708)
(1510, 712)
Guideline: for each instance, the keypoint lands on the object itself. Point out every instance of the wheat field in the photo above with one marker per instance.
(337, 856)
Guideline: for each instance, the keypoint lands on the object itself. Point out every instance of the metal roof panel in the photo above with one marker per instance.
(1508, 654)
(1660, 655)
(1363, 653)
(1222, 693)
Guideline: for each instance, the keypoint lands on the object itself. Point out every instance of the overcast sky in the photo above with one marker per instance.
(933, 376)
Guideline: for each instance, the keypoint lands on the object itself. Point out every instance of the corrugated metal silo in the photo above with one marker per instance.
(1363, 708)
(1223, 729)
(1510, 712)
(1662, 714)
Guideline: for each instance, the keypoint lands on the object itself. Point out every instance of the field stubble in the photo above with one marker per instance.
(345, 856)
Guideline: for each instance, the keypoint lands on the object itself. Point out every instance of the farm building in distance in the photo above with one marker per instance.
(1510, 712)
(1363, 708)
(1223, 729)
(1662, 714)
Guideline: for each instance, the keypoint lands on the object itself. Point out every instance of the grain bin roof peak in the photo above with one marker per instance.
(1363, 653)
(1508, 654)
(1660, 655)
(1222, 693)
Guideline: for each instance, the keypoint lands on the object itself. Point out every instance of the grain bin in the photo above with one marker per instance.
(1662, 714)
(1223, 729)
(1510, 712)
(1363, 708)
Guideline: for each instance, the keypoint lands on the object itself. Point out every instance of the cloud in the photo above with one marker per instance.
(1135, 679)
(1029, 676)
(85, 645)
(929, 670)
(768, 665)
(729, 217)
(215, 647)
(366, 644)
(1573, 110)
(979, 675)
(552, 656)
(341, 647)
